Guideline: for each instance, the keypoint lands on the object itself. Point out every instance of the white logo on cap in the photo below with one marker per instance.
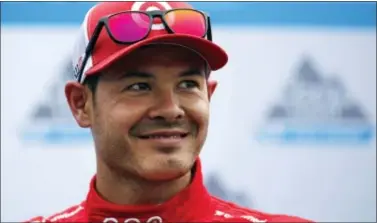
(151, 6)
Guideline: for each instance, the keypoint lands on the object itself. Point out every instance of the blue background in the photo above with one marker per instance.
(340, 14)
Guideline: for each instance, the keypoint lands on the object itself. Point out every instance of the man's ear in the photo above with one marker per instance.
(77, 98)
(212, 84)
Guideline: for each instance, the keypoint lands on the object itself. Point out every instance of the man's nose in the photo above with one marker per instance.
(166, 107)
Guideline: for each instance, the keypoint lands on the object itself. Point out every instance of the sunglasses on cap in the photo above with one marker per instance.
(132, 26)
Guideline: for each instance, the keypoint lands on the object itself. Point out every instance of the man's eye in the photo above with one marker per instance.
(189, 84)
(139, 87)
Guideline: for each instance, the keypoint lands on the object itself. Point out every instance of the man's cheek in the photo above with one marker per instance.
(124, 120)
(199, 113)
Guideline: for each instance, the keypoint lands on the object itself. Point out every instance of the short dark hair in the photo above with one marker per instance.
(92, 83)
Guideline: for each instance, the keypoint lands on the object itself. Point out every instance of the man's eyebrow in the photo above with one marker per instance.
(193, 72)
(140, 74)
(136, 74)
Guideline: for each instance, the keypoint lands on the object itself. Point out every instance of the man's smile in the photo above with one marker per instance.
(164, 137)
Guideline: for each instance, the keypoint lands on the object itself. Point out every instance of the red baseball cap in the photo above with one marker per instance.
(106, 51)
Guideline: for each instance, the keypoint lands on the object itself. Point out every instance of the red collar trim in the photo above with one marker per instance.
(193, 203)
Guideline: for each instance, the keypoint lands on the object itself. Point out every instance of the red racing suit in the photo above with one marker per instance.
(193, 204)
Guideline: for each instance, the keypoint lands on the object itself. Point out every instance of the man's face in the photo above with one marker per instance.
(149, 115)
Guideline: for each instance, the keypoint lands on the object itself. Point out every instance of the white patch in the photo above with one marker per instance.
(247, 217)
(67, 214)
(139, 6)
(154, 219)
(252, 218)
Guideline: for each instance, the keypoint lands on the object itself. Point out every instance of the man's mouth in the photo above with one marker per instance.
(164, 135)
(169, 138)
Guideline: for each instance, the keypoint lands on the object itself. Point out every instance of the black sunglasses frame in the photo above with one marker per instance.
(103, 22)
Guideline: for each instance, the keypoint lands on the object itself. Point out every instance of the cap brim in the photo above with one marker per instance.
(212, 53)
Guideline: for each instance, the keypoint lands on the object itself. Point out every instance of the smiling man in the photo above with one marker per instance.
(142, 86)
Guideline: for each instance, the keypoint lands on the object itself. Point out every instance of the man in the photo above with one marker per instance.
(142, 87)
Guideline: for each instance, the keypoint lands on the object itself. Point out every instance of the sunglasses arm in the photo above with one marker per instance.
(209, 32)
(94, 37)
(89, 48)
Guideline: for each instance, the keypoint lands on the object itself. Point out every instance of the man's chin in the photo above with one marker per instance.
(167, 170)
(164, 177)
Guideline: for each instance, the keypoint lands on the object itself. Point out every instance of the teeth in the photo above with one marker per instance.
(159, 137)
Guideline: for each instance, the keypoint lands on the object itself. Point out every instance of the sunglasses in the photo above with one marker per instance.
(132, 26)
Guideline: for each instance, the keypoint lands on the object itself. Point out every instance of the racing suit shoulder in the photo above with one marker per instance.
(231, 212)
(72, 214)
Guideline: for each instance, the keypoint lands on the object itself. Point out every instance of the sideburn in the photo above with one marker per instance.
(92, 83)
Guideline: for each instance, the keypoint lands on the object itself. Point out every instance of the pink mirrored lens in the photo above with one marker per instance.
(130, 26)
(186, 22)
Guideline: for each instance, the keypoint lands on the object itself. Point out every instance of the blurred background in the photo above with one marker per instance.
(293, 121)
